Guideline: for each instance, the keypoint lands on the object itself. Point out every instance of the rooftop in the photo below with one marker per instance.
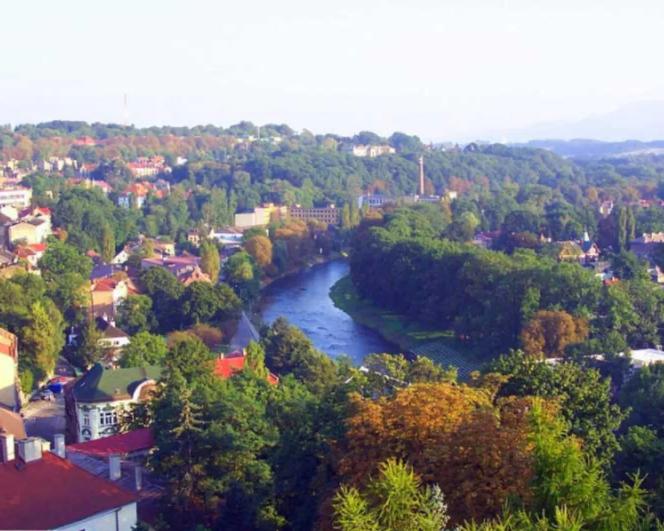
(107, 385)
(48, 493)
(123, 443)
(12, 423)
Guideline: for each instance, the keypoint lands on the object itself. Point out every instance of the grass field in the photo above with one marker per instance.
(411, 336)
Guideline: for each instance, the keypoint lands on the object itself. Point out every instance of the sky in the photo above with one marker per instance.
(441, 69)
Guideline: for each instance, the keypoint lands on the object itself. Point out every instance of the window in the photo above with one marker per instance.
(108, 418)
(86, 420)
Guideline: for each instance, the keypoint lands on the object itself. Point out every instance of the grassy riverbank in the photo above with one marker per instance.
(410, 336)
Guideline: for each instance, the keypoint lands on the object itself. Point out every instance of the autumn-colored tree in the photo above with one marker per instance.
(260, 247)
(210, 335)
(550, 332)
(453, 436)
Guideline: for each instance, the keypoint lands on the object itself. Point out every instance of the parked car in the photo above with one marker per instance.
(47, 394)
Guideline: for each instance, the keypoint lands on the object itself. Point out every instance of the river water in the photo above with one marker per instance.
(303, 298)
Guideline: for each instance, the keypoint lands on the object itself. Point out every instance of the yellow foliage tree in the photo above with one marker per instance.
(260, 247)
(453, 435)
(550, 332)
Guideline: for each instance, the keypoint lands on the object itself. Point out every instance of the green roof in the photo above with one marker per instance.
(107, 385)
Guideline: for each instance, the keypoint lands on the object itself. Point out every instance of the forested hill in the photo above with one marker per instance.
(284, 166)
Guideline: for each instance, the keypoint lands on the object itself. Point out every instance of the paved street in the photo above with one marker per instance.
(44, 418)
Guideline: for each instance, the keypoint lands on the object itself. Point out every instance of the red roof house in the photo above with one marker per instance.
(121, 444)
(233, 363)
(48, 492)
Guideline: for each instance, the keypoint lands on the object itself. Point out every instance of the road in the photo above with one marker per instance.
(45, 418)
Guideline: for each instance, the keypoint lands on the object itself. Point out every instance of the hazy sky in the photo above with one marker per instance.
(443, 69)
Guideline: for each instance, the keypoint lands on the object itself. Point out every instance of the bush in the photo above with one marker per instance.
(27, 379)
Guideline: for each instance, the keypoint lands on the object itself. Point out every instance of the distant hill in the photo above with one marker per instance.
(581, 148)
(642, 121)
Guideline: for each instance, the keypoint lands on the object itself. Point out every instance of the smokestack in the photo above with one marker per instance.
(421, 176)
(6, 447)
(114, 470)
(59, 444)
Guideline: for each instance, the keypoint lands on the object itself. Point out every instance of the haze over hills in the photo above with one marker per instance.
(642, 121)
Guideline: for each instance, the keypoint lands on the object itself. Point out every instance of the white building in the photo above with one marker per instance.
(102, 396)
(18, 197)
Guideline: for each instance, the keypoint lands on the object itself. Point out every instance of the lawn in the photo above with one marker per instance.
(411, 336)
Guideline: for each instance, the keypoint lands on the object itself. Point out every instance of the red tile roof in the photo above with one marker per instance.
(52, 492)
(234, 363)
(123, 443)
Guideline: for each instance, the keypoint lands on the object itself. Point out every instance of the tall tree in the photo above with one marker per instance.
(210, 261)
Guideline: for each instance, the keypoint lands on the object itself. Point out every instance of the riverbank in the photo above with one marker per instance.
(410, 336)
(304, 300)
(316, 260)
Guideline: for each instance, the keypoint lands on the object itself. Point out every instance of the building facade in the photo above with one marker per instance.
(329, 214)
(100, 398)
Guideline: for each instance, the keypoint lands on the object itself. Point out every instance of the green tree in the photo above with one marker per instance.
(42, 338)
(107, 244)
(88, 350)
(135, 314)
(242, 275)
(210, 261)
(288, 350)
(165, 291)
(395, 501)
(144, 349)
(584, 397)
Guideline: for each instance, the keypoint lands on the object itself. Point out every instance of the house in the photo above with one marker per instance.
(148, 167)
(486, 239)
(179, 266)
(131, 443)
(16, 196)
(111, 336)
(229, 236)
(328, 214)
(591, 250)
(31, 253)
(606, 207)
(644, 246)
(32, 226)
(12, 423)
(33, 231)
(42, 490)
(195, 275)
(233, 363)
(371, 151)
(194, 236)
(101, 396)
(261, 216)
(374, 200)
(125, 456)
(10, 396)
(106, 294)
(134, 196)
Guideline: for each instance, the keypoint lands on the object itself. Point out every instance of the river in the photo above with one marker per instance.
(303, 298)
